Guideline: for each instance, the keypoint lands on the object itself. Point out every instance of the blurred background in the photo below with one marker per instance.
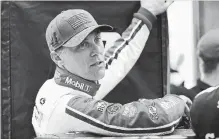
(188, 22)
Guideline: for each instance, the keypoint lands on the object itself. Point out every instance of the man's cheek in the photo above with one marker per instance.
(86, 64)
(102, 50)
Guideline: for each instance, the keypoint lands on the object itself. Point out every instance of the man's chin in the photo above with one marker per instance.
(96, 76)
(100, 76)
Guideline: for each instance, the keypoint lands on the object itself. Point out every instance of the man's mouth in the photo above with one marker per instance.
(97, 63)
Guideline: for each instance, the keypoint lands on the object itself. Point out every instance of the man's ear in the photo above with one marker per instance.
(56, 58)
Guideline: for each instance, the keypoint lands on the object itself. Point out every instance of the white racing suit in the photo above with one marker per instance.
(66, 104)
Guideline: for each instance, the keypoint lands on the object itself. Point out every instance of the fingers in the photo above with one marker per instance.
(189, 103)
(156, 7)
(186, 100)
(187, 110)
(168, 2)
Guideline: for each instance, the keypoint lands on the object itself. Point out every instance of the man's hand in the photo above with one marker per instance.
(186, 120)
(156, 7)
(188, 104)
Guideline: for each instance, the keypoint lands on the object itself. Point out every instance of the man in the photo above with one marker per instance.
(205, 109)
(67, 103)
(208, 57)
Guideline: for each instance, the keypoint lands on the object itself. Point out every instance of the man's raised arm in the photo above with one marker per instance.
(122, 56)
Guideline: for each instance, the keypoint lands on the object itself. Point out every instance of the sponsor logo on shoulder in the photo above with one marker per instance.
(77, 84)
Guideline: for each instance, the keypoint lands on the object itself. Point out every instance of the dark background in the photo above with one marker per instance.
(26, 62)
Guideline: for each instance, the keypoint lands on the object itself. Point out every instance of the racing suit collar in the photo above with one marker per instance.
(64, 78)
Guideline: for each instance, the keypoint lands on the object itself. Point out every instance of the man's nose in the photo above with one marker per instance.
(97, 49)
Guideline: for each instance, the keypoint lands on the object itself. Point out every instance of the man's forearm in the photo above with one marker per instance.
(122, 56)
(143, 117)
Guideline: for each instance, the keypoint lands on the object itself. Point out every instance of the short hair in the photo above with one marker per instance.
(208, 50)
(209, 64)
(59, 50)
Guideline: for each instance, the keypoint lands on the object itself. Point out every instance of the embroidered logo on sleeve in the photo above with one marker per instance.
(112, 109)
(153, 112)
(129, 111)
(101, 106)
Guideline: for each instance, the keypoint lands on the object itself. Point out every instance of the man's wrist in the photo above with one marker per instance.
(146, 16)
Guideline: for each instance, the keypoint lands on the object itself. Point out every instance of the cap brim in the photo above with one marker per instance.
(77, 39)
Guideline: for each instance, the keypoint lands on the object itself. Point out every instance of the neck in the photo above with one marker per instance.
(211, 79)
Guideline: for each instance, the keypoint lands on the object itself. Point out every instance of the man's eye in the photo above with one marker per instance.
(98, 40)
(84, 45)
